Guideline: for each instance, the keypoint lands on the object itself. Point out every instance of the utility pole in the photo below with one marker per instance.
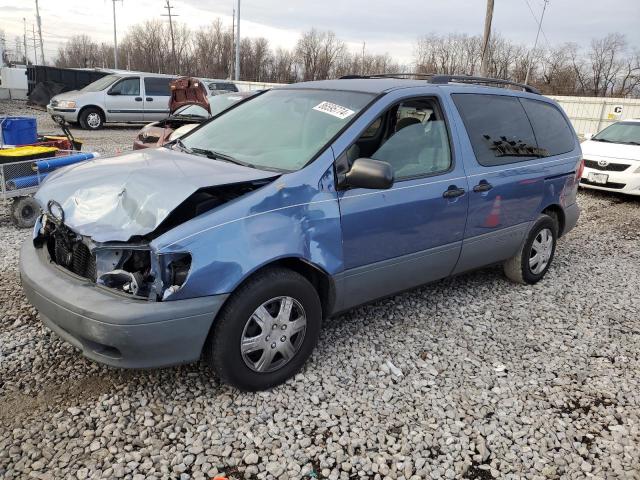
(237, 71)
(363, 45)
(40, 33)
(173, 40)
(535, 44)
(24, 39)
(485, 40)
(233, 43)
(115, 38)
(35, 48)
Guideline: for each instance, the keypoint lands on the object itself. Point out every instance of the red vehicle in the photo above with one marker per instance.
(189, 106)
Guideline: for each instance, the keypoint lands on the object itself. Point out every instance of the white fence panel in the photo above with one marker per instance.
(592, 114)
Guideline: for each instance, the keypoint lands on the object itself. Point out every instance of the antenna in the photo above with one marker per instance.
(173, 41)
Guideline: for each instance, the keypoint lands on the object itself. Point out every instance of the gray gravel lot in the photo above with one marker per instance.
(497, 380)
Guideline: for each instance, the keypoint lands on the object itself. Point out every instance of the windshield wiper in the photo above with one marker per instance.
(178, 142)
(220, 156)
(601, 140)
(632, 143)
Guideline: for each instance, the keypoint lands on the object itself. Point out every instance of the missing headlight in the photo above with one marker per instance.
(128, 270)
(175, 272)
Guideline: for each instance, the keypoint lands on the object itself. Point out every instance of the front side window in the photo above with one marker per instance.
(157, 86)
(622, 132)
(553, 134)
(411, 136)
(498, 128)
(127, 86)
(280, 129)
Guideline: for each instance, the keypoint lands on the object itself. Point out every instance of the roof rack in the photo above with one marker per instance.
(444, 79)
(439, 79)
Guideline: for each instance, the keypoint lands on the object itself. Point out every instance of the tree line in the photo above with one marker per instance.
(608, 66)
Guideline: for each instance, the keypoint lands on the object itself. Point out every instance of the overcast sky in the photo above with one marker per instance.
(385, 26)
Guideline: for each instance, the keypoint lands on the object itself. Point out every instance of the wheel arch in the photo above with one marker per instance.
(317, 276)
(556, 212)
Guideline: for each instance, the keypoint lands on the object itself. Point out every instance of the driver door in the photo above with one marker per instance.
(124, 102)
(412, 233)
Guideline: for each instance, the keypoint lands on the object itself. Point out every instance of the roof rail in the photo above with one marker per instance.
(439, 79)
(444, 79)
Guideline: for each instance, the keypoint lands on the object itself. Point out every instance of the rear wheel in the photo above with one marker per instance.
(91, 119)
(266, 330)
(25, 211)
(536, 254)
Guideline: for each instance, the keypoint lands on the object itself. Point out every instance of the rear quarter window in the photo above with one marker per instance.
(553, 133)
(156, 86)
(498, 128)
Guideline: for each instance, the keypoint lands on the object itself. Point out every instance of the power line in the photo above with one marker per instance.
(535, 45)
(539, 22)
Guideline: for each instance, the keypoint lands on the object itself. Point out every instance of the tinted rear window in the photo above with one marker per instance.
(155, 86)
(553, 133)
(498, 128)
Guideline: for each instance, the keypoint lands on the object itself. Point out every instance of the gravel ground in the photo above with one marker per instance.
(472, 377)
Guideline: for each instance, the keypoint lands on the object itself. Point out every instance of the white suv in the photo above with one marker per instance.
(612, 159)
(123, 97)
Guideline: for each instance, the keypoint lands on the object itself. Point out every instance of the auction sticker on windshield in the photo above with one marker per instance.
(333, 109)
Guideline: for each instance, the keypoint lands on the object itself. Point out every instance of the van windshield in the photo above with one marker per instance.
(100, 84)
(621, 132)
(280, 129)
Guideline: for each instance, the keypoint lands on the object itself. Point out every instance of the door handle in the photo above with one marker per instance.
(453, 191)
(149, 99)
(138, 99)
(483, 186)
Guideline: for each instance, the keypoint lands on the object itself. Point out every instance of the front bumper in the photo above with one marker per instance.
(111, 328)
(623, 182)
(69, 114)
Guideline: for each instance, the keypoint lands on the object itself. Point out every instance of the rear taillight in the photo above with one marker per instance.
(579, 169)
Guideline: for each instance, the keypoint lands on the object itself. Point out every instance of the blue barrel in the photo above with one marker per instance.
(51, 164)
(18, 130)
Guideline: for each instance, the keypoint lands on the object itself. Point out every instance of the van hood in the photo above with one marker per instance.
(71, 95)
(610, 150)
(116, 198)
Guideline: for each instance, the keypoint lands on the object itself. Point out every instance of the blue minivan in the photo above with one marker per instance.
(233, 243)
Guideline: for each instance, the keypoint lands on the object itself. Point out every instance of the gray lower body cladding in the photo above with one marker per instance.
(111, 328)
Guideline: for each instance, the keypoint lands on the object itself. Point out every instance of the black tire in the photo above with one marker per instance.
(222, 350)
(518, 268)
(25, 211)
(91, 119)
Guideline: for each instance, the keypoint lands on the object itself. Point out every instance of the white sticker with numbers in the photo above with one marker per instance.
(333, 109)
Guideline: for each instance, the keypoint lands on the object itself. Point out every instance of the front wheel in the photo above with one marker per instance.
(534, 258)
(91, 119)
(266, 330)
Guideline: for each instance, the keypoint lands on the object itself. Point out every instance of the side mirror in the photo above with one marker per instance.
(368, 173)
(113, 92)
